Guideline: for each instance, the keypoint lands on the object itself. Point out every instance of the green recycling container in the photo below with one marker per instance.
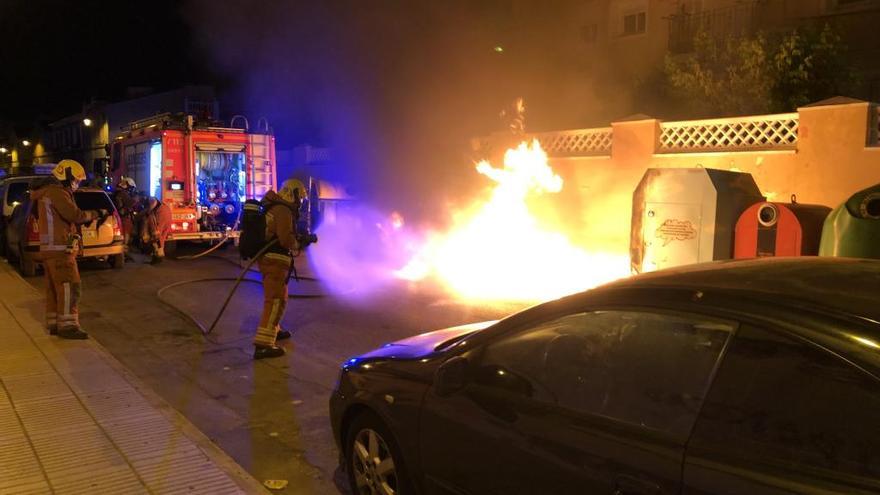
(853, 229)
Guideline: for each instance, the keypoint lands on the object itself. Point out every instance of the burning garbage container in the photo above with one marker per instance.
(687, 215)
(853, 228)
(779, 229)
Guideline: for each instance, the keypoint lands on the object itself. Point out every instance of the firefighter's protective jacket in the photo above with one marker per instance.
(280, 222)
(57, 215)
(159, 222)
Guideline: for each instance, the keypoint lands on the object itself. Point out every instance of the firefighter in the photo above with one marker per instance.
(158, 227)
(58, 217)
(275, 266)
(125, 204)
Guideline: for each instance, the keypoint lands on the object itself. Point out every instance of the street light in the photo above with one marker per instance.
(3, 150)
(25, 142)
(87, 122)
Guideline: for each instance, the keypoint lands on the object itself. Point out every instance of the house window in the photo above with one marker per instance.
(634, 23)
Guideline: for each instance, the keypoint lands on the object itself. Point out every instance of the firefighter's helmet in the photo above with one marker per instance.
(127, 183)
(69, 170)
(287, 190)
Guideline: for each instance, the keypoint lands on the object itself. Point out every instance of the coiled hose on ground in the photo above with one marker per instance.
(238, 280)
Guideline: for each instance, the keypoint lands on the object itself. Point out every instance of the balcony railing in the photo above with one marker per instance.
(735, 20)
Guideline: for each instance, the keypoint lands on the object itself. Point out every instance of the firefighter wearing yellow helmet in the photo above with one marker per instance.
(275, 265)
(58, 217)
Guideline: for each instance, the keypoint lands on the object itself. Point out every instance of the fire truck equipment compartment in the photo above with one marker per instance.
(853, 228)
(779, 229)
(687, 215)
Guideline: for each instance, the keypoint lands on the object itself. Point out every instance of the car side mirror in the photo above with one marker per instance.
(451, 376)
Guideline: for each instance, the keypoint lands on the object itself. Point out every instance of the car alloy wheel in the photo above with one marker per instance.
(372, 464)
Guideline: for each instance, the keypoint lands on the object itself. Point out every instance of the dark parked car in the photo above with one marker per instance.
(751, 377)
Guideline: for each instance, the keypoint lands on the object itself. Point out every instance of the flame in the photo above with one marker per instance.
(499, 250)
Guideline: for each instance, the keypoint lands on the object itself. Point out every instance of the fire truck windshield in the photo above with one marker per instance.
(221, 185)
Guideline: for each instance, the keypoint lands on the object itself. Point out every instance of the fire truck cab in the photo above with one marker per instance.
(202, 171)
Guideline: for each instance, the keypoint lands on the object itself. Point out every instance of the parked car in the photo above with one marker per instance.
(103, 241)
(752, 377)
(12, 189)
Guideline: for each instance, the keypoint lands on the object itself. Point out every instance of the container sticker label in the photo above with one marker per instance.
(675, 230)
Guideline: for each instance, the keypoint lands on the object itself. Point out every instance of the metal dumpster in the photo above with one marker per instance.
(853, 228)
(687, 215)
(779, 229)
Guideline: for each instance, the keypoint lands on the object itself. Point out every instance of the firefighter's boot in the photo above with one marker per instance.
(264, 351)
(72, 333)
(282, 334)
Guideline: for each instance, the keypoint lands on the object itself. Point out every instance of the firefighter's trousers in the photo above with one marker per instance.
(275, 269)
(62, 291)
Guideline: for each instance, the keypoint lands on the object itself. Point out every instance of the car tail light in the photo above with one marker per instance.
(33, 229)
(117, 226)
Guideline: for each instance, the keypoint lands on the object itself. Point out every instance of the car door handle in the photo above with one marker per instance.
(630, 485)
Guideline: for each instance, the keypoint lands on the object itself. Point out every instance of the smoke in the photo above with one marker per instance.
(396, 90)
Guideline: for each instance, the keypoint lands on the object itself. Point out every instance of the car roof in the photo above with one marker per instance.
(20, 178)
(845, 285)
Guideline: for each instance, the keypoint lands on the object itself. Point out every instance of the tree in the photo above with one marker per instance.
(754, 74)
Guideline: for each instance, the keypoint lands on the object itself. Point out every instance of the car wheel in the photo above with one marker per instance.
(373, 460)
(117, 261)
(27, 266)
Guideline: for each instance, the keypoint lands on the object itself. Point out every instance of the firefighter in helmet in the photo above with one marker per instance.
(58, 217)
(275, 266)
(157, 228)
(123, 198)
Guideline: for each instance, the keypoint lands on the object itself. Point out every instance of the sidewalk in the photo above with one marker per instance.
(74, 421)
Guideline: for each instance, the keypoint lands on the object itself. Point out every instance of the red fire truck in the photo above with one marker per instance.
(204, 172)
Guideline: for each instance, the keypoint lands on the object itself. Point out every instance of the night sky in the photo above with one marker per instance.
(57, 54)
(394, 88)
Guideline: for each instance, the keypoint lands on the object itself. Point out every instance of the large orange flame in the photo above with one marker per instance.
(498, 250)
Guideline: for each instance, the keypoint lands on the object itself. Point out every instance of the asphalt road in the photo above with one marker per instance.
(271, 416)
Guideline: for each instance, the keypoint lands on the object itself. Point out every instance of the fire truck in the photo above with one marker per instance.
(203, 171)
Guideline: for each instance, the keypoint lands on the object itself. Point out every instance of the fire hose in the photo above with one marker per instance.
(216, 246)
(238, 280)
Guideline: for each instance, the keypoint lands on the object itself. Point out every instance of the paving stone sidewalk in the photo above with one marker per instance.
(74, 421)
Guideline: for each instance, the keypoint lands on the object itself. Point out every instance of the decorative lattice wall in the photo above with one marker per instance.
(762, 132)
(580, 142)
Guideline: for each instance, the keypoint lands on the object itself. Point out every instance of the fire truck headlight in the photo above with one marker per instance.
(185, 225)
(230, 209)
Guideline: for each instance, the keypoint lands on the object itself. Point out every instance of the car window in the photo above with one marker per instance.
(16, 192)
(93, 200)
(646, 369)
(782, 401)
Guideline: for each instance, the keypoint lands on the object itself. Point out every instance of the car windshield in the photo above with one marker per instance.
(93, 200)
(16, 192)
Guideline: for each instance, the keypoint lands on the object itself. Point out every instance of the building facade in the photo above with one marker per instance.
(86, 136)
